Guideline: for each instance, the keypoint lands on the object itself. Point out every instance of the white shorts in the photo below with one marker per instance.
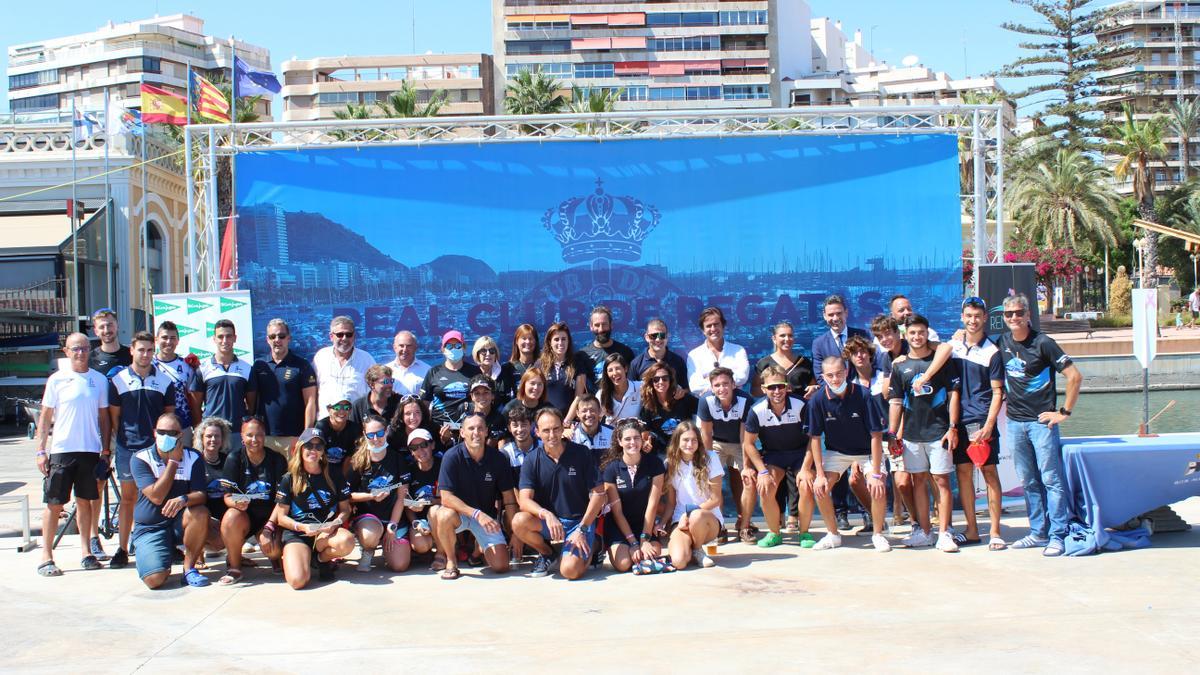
(730, 454)
(835, 462)
(931, 457)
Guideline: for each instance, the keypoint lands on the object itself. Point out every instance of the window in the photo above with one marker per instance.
(539, 25)
(685, 93)
(538, 47)
(33, 79)
(34, 103)
(151, 64)
(635, 93)
(747, 92)
(551, 69)
(698, 43)
(703, 93)
(337, 98)
(682, 19)
(585, 70)
(746, 18)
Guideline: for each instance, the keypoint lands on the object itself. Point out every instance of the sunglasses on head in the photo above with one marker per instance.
(974, 301)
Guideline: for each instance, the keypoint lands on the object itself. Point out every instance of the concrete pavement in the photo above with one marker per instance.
(785, 608)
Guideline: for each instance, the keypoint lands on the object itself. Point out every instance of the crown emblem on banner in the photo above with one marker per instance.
(601, 225)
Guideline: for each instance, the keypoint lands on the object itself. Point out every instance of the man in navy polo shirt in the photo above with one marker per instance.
(779, 421)
(286, 387)
(657, 338)
(722, 413)
(225, 387)
(561, 494)
(473, 479)
(170, 507)
(843, 412)
(832, 342)
(137, 395)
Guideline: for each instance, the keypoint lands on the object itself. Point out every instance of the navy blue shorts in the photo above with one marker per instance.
(788, 460)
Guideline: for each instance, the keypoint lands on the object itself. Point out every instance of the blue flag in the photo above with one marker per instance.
(251, 81)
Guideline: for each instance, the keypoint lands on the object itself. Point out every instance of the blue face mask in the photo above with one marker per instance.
(454, 354)
(838, 390)
(167, 443)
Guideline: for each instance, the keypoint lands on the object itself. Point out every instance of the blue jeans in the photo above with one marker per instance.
(1037, 452)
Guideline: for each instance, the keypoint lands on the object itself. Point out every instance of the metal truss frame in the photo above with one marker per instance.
(981, 130)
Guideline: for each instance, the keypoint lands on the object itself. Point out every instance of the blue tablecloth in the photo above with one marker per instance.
(1111, 479)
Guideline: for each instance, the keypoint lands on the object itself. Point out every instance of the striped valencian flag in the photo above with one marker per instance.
(210, 102)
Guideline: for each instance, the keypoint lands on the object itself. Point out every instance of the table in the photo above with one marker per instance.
(1111, 479)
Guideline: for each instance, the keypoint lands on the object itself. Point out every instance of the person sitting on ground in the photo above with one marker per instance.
(312, 506)
(633, 483)
(561, 495)
(214, 448)
(253, 474)
(377, 490)
(421, 473)
(693, 497)
(473, 480)
(170, 508)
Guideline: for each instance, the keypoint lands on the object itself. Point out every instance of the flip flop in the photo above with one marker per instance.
(231, 577)
(438, 564)
(451, 573)
(49, 569)
(996, 544)
(970, 541)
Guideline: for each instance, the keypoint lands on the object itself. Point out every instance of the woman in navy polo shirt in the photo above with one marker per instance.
(693, 496)
(565, 378)
(633, 483)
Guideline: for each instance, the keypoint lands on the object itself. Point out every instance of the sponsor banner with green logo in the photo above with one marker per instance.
(196, 314)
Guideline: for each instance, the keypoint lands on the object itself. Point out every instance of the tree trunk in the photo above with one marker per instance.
(1150, 266)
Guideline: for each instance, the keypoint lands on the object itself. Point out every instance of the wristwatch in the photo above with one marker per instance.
(1064, 411)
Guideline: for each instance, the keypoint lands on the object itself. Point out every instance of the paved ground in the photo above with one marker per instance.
(783, 609)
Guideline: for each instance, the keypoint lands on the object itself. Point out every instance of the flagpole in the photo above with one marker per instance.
(74, 208)
(232, 222)
(107, 202)
(145, 224)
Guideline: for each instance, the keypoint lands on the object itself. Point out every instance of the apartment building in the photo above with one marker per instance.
(313, 89)
(659, 55)
(44, 77)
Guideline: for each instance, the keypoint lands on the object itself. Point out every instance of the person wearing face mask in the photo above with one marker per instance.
(852, 425)
(377, 491)
(602, 346)
(447, 386)
(170, 507)
(694, 497)
(503, 375)
(714, 352)
(253, 475)
(341, 367)
(381, 399)
(633, 484)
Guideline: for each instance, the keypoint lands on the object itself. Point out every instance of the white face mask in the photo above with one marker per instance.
(838, 390)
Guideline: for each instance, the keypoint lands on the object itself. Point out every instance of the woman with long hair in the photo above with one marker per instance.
(412, 413)
(564, 378)
(633, 482)
(797, 367)
(693, 496)
(525, 349)
(661, 411)
(531, 392)
(620, 398)
(374, 475)
(311, 508)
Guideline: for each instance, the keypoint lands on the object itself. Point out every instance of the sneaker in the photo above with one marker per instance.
(702, 559)
(1053, 549)
(772, 539)
(364, 562)
(843, 520)
(868, 523)
(541, 567)
(1029, 541)
(97, 550)
(881, 543)
(945, 543)
(89, 562)
(827, 542)
(119, 560)
(917, 539)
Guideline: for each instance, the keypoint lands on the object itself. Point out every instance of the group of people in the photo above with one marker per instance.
(568, 456)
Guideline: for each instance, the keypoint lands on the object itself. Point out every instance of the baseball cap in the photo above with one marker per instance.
(452, 335)
(343, 396)
(421, 434)
(311, 434)
(481, 381)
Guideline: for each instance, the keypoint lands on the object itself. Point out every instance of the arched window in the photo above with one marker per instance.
(155, 254)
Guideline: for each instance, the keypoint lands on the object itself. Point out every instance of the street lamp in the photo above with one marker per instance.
(1139, 246)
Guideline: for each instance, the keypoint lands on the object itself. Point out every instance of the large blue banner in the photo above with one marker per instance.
(485, 237)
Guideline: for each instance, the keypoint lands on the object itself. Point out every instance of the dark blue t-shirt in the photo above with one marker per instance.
(847, 422)
(564, 486)
(478, 484)
(225, 389)
(977, 365)
(726, 424)
(634, 492)
(280, 389)
(147, 466)
(141, 401)
(785, 432)
(642, 362)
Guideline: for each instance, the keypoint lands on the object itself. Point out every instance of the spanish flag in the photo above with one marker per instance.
(160, 106)
(210, 102)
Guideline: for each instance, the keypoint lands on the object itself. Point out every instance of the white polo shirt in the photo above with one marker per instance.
(408, 380)
(336, 380)
(77, 399)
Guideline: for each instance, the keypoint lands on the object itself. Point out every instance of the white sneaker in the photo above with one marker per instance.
(364, 562)
(945, 543)
(702, 558)
(829, 541)
(917, 539)
(881, 543)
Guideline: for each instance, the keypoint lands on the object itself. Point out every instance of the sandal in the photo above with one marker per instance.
(49, 569)
(439, 563)
(747, 536)
(451, 573)
(996, 544)
(231, 577)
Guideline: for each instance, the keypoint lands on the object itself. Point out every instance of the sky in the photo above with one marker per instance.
(956, 36)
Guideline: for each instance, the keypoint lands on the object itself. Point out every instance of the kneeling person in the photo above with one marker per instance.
(170, 506)
(474, 477)
(377, 489)
(561, 496)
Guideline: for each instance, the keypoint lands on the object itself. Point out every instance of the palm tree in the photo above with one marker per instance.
(1064, 200)
(353, 111)
(404, 103)
(594, 100)
(1137, 144)
(533, 94)
(1183, 122)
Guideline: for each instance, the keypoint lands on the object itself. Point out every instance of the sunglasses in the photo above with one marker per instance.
(774, 387)
(657, 336)
(340, 407)
(385, 380)
(344, 334)
(661, 378)
(167, 432)
(1010, 313)
(488, 350)
(79, 350)
(423, 445)
(376, 434)
(974, 301)
(277, 336)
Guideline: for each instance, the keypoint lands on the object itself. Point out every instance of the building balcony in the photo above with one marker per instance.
(378, 85)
